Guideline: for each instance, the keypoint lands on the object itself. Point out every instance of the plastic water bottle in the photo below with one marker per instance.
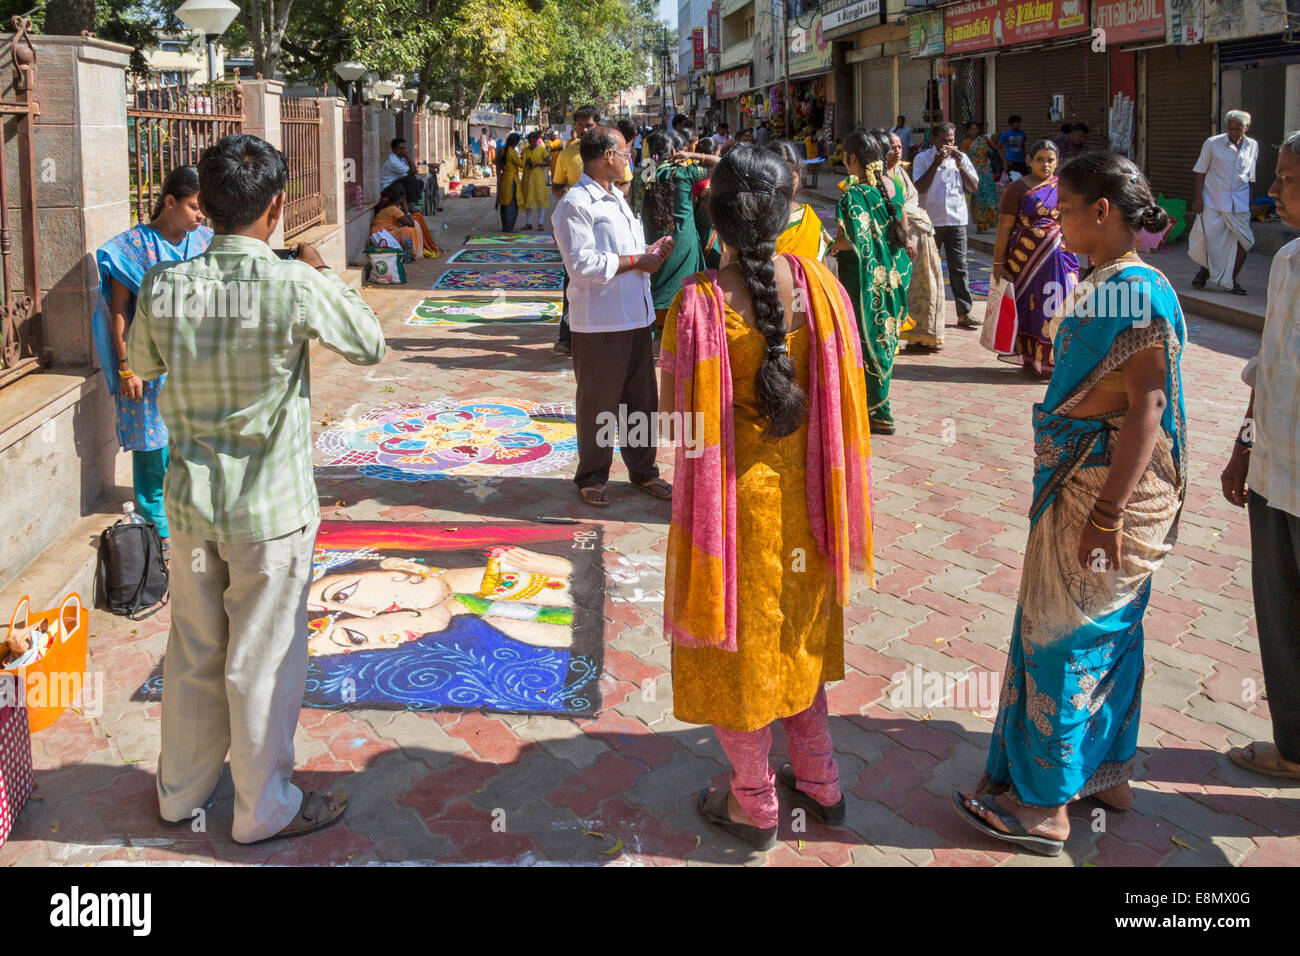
(133, 516)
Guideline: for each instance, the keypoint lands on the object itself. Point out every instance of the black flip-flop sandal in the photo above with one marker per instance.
(832, 816)
(1044, 846)
(712, 805)
(1239, 289)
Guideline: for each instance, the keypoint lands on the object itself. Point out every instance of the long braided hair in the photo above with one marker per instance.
(749, 203)
(661, 191)
(866, 149)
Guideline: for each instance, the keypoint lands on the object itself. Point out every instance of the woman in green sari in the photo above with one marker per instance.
(873, 249)
(670, 211)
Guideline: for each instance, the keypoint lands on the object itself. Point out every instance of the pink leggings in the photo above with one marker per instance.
(811, 756)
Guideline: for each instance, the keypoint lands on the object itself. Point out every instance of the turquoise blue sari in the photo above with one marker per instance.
(1067, 721)
(126, 258)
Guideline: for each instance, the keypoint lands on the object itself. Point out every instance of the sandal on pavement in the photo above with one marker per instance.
(712, 805)
(1199, 281)
(1239, 289)
(318, 811)
(594, 495)
(878, 429)
(655, 488)
(1248, 759)
(1018, 835)
(832, 816)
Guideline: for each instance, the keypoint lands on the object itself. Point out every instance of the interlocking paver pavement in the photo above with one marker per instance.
(619, 788)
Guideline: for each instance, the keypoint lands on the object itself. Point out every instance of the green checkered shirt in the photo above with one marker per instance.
(231, 328)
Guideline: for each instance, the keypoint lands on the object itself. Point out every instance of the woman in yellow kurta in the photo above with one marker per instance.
(509, 173)
(771, 518)
(536, 158)
(804, 235)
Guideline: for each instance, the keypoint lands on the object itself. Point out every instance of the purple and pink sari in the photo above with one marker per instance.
(1042, 271)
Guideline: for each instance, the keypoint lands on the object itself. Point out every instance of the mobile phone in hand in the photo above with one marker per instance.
(287, 253)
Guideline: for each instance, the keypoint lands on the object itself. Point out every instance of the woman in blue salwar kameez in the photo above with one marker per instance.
(1110, 467)
(174, 231)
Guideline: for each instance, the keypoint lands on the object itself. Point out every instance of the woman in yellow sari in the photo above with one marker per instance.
(763, 358)
(804, 235)
(509, 173)
(393, 214)
(536, 158)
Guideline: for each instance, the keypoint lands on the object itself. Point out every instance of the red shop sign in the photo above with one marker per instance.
(1026, 20)
(732, 83)
(969, 26)
(1127, 20)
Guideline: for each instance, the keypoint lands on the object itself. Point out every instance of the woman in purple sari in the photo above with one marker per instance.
(1029, 252)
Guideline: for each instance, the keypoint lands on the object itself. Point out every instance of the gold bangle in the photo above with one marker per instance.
(123, 373)
(1100, 528)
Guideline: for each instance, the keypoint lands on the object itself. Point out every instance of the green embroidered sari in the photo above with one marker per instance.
(876, 275)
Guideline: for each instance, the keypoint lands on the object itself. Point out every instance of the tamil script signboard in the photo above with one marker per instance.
(1127, 20)
(987, 24)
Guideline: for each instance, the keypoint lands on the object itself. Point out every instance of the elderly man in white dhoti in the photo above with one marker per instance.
(1221, 236)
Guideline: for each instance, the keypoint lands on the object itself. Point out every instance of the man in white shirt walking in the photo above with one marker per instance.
(1266, 457)
(1221, 236)
(611, 315)
(944, 175)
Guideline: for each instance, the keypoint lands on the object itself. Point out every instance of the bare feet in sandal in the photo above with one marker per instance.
(656, 488)
(1264, 757)
(594, 495)
(1050, 822)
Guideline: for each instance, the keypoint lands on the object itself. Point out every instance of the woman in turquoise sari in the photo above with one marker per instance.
(873, 248)
(1110, 474)
(173, 232)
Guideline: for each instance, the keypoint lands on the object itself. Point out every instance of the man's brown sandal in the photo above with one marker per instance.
(655, 488)
(318, 811)
(595, 495)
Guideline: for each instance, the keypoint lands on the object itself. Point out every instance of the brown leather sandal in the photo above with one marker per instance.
(595, 496)
(318, 811)
(655, 488)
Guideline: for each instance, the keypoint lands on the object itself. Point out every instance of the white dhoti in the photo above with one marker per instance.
(1214, 240)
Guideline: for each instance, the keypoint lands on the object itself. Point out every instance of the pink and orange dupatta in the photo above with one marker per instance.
(702, 562)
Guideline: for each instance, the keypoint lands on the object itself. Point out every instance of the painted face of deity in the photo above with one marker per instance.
(343, 634)
(396, 585)
(1044, 163)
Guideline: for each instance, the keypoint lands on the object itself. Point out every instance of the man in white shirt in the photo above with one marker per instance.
(611, 316)
(944, 175)
(1266, 457)
(723, 136)
(397, 167)
(1221, 236)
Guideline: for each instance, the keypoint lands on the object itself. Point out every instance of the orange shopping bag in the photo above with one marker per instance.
(46, 653)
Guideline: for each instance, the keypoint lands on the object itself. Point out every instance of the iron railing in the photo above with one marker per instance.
(20, 315)
(171, 125)
(300, 136)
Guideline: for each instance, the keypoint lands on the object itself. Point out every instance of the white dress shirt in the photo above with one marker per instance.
(945, 200)
(394, 168)
(1229, 171)
(1274, 374)
(593, 229)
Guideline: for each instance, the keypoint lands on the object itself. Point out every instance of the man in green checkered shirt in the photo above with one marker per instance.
(232, 329)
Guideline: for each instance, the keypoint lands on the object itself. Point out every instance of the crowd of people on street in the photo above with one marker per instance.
(777, 333)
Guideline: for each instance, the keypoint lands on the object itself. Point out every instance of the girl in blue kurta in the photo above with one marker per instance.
(173, 232)
(1110, 474)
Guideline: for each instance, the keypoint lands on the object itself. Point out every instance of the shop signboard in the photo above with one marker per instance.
(1124, 21)
(714, 43)
(1184, 22)
(697, 48)
(1024, 21)
(968, 27)
(810, 51)
(926, 31)
(849, 13)
(732, 83)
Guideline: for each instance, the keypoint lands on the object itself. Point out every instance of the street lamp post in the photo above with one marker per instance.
(211, 18)
(349, 71)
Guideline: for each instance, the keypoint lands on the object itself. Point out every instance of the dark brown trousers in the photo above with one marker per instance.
(615, 369)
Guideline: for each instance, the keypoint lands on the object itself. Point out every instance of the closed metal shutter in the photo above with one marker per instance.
(875, 106)
(1026, 83)
(913, 81)
(1179, 115)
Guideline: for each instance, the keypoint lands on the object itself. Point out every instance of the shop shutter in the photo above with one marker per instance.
(1179, 115)
(1026, 83)
(913, 82)
(875, 106)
